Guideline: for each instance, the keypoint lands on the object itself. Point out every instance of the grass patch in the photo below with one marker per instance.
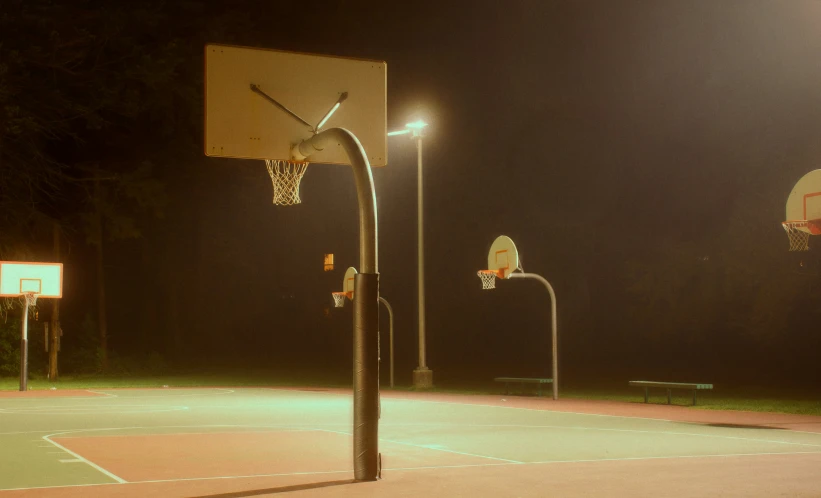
(746, 398)
(739, 399)
(230, 379)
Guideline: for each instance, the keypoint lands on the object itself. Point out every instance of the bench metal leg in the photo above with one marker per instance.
(645, 395)
(505, 388)
(694, 396)
(669, 397)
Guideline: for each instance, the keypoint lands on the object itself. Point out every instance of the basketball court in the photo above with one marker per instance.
(257, 441)
(282, 109)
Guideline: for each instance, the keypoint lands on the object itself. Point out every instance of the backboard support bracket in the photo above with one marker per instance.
(256, 89)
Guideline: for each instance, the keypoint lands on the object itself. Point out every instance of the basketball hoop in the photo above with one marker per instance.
(799, 239)
(29, 299)
(285, 176)
(339, 299)
(488, 278)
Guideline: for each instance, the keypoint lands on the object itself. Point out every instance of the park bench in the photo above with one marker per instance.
(669, 386)
(519, 380)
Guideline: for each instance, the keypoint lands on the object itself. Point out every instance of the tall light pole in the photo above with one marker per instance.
(422, 375)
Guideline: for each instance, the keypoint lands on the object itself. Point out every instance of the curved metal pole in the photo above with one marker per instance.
(368, 260)
(390, 314)
(552, 326)
(366, 305)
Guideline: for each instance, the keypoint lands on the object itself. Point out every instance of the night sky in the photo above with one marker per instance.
(638, 152)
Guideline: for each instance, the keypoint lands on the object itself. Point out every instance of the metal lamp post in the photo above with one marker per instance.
(422, 375)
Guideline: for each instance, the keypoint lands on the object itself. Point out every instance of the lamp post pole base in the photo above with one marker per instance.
(423, 378)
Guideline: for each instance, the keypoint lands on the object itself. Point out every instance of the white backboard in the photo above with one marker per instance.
(243, 124)
(348, 281)
(43, 279)
(503, 256)
(804, 202)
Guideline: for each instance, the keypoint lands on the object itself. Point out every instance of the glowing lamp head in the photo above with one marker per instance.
(415, 129)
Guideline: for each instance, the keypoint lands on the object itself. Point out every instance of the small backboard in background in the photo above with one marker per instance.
(804, 202)
(503, 256)
(348, 281)
(43, 279)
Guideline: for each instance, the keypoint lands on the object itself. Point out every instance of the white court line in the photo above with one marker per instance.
(431, 448)
(33, 400)
(538, 410)
(85, 410)
(639, 431)
(70, 460)
(17, 433)
(312, 426)
(92, 464)
(386, 469)
(97, 408)
(69, 431)
(172, 434)
(195, 394)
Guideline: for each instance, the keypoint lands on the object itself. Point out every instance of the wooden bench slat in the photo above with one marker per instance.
(670, 385)
(525, 380)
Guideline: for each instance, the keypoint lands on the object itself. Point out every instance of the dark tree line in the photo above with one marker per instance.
(101, 167)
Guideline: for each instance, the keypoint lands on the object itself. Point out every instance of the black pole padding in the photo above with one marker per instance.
(366, 377)
(24, 363)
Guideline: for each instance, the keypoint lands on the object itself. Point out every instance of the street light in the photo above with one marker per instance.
(422, 375)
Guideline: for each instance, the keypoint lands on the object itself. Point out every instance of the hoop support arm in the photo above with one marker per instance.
(368, 262)
(553, 327)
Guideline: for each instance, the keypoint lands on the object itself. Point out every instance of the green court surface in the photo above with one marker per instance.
(258, 441)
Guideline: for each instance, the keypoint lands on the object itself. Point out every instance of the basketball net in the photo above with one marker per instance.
(339, 299)
(488, 279)
(29, 299)
(285, 176)
(799, 239)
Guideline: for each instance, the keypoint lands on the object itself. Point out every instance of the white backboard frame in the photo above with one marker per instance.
(43, 279)
(503, 256)
(804, 201)
(242, 124)
(348, 281)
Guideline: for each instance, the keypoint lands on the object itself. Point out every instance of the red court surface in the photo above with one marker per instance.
(772, 476)
(182, 456)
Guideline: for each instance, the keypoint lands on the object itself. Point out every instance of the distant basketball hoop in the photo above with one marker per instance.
(488, 278)
(804, 211)
(502, 261)
(799, 234)
(347, 288)
(28, 281)
(339, 299)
